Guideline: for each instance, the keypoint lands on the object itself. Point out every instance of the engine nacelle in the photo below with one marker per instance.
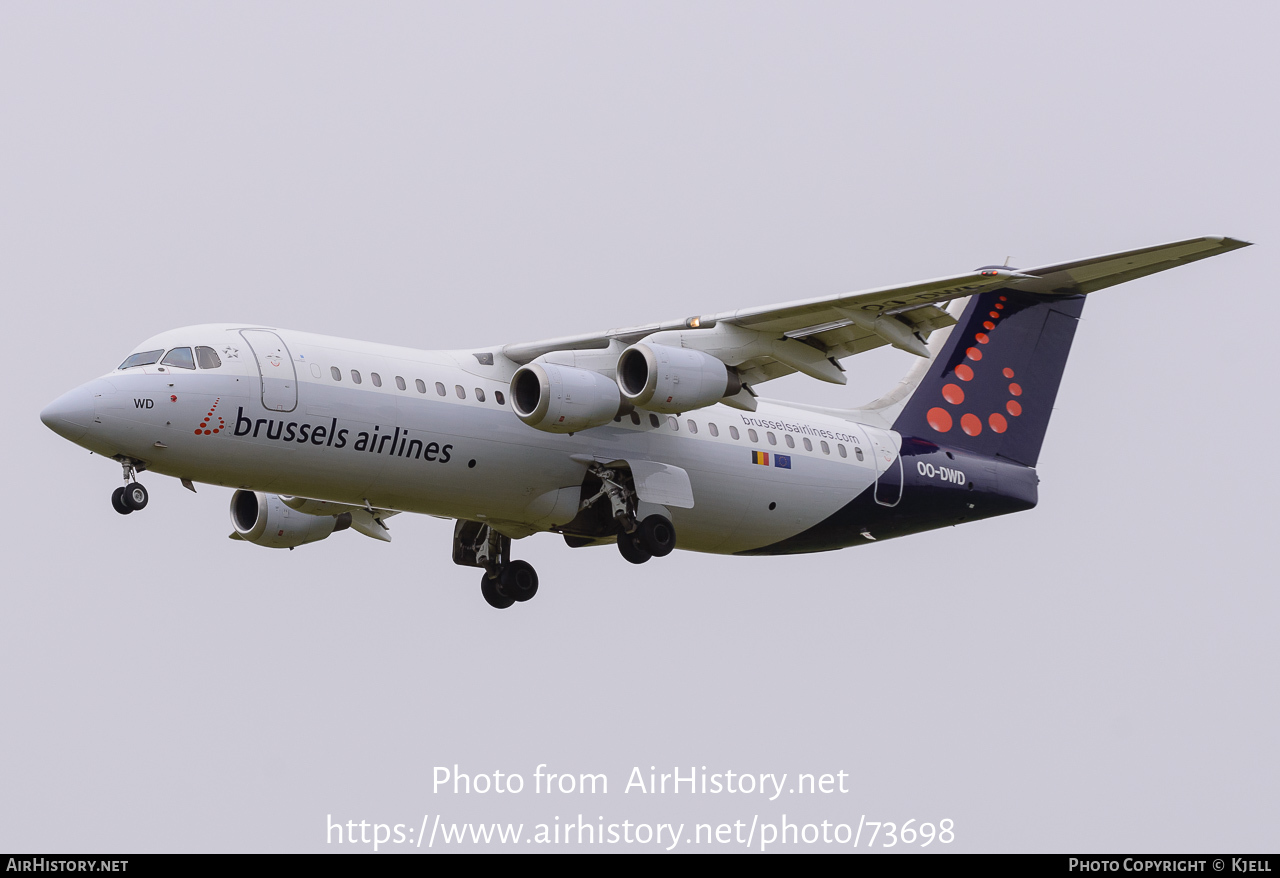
(265, 520)
(661, 378)
(562, 399)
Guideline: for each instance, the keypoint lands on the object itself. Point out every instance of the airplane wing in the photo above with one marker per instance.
(812, 335)
(1100, 272)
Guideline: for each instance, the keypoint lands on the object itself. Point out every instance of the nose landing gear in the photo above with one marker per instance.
(132, 496)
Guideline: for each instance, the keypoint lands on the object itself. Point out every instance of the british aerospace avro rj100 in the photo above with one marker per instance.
(651, 437)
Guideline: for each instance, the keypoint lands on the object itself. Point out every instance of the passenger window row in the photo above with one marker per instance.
(419, 385)
(714, 430)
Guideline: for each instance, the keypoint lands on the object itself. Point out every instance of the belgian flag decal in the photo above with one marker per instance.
(760, 457)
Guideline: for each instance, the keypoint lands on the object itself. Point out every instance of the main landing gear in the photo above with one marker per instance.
(654, 537)
(638, 540)
(132, 496)
(505, 581)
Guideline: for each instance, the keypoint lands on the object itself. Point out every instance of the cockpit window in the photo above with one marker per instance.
(180, 358)
(208, 358)
(143, 359)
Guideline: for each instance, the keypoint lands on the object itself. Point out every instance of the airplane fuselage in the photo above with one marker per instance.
(433, 432)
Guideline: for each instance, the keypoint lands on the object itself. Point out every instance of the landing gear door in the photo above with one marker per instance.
(661, 483)
(275, 366)
(888, 467)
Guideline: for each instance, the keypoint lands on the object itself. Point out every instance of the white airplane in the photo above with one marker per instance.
(648, 437)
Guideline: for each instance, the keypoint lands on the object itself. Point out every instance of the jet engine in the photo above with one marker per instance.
(661, 378)
(562, 399)
(265, 520)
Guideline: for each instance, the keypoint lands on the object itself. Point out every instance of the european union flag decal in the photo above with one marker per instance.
(782, 461)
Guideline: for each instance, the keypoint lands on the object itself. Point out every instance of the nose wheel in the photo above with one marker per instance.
(117, 502)
(132, 496)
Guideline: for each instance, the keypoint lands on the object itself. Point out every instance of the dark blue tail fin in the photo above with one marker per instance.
(990, 390)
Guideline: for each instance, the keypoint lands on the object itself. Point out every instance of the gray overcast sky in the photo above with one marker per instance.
(1097, 674)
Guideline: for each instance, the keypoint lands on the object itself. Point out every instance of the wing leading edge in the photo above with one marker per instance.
(812, 335)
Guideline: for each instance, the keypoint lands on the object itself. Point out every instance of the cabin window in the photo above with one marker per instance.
(635, 419)
(826, 449)
(773, 440)
(420, 384)
(674, 424)
(715, 431)
(693, 427)
(791, 443)
(653, 420)
(498, 398)
(857, 452)
(144, 359)
(440, 388)
(336, 373)
(208, 358)
(479, 394)
(400, 383)
(377, 379)
(180, 358)
(733, 431)
(355, 376)
(808, 446)
(458, 389)
(753, 435)
(315, 367)
(843, 453)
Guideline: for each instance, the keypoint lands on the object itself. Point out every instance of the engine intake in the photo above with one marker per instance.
(265, 520)
(562, 399)
(661, 378)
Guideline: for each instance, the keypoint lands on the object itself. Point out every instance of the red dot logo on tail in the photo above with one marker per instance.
(941, 420)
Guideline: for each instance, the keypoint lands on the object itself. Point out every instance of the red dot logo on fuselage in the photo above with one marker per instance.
(205, 429)
(942, 420)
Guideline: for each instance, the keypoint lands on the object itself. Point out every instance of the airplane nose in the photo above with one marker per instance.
(70, 414)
